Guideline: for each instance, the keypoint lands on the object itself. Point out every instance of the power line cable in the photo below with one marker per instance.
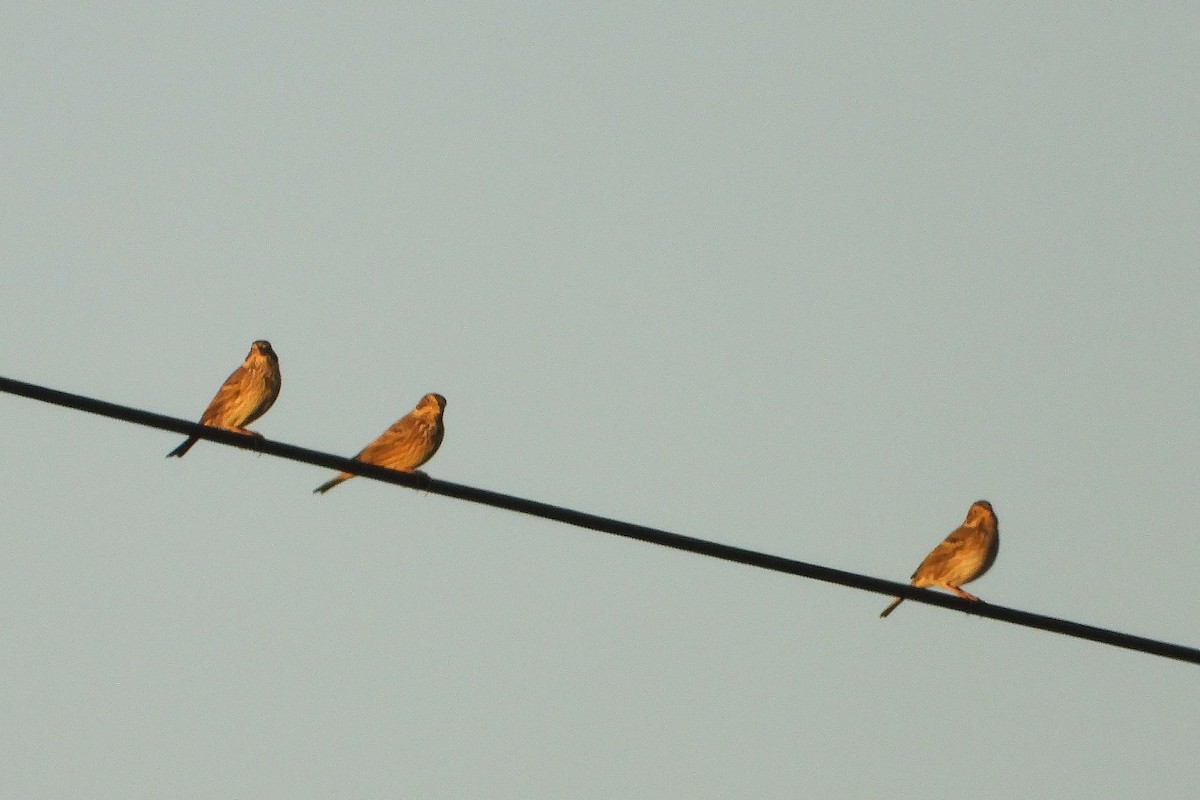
(603, 524)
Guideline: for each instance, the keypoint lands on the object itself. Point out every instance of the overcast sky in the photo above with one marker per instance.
(806, 279)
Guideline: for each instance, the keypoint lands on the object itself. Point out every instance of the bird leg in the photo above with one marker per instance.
(255, 435)
(965, 595)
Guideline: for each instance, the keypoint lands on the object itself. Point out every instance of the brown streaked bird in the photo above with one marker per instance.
(244, 396)
(962, 557)
(406, 445)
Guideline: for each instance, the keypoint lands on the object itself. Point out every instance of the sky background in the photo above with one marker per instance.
(804, 279)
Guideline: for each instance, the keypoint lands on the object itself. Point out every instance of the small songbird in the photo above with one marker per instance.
(243, 397)
(962, 557)
(406, 445)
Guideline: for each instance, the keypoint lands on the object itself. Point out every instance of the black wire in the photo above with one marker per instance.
(603, 524)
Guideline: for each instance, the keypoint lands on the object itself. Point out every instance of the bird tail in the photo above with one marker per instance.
(183, 448)
(332, 482)
(891, 607)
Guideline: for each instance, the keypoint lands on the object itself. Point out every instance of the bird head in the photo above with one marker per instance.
(431, 405)
(980, 512)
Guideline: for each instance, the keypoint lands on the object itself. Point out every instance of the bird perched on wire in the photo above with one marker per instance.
(244, 396)
(962, 557)
(406, 445)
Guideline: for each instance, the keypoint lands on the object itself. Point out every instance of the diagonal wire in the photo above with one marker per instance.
(603, 524)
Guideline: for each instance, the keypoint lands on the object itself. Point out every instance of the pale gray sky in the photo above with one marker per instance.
(808, 280)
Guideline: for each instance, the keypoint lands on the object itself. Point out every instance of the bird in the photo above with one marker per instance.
(244, 396)
(408, 444)
(963, 556)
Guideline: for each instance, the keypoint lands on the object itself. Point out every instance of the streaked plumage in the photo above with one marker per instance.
(244, 396)
(962, 557)
(406, 445)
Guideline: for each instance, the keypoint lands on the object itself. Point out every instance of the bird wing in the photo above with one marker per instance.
(224, 399)
(383, 449)
(936, 563)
